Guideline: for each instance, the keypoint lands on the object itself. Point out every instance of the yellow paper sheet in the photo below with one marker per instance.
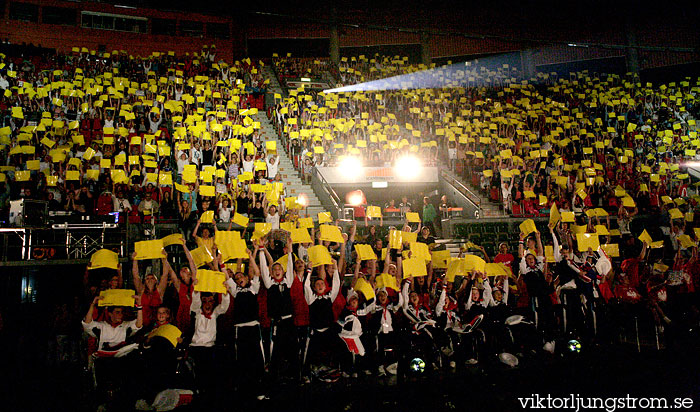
(385, 280)
(117, 297)
(210, 281)
(420, 250)
(324, 217)
(412, 217)
(300, 235)
(319, 256)
(104, 258)
(364, 287)
(365, 252)
(331, 234)
(374, 212)
(207, 217)
(305, 223)
(201, 256)
(174, 239)
(169, 332)
(440, 259)
(414, 267)
(149, 249)
(645, 237)
(587, 240)
(527, 227)
(240, 220)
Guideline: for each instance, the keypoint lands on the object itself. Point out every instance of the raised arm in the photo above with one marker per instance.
(265, 258)
(253, 269)
(138, 284)
(335, 288)
(167, 269)
(308, 293)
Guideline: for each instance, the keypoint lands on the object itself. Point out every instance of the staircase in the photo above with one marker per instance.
(487, 207)
(290, 177)
(274, 87)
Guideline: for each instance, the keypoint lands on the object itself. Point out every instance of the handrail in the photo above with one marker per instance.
(329, 190)
(471, 197)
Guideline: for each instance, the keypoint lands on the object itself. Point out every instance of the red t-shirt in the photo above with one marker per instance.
(183, 310)
(150, 303)
(300, 308)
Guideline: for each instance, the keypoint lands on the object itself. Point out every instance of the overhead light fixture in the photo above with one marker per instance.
(349, 165)
(305, 79)
(408, 167)
(124, 7)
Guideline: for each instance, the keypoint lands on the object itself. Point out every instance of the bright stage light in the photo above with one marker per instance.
(302, 200)
(349, 165)
(574, 346)
(355, 198)
(408, 167)
(417, 365)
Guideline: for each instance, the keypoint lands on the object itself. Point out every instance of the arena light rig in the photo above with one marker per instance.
(464, 74)
(349, 165)
(417, 365)
(408, 167)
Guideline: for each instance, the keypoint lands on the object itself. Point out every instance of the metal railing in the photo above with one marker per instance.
(470, 196)
(330, 193)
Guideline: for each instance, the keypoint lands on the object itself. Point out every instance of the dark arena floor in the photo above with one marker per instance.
(598, 371)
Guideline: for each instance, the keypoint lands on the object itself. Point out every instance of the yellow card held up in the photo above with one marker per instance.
(319, 256)
(174, 239)
(365, 252)
(364, 287)
(324, 217)
(440, 259)
(611, 249)
(568, 217)
(587, 240)
(104, 258)
(207, 217)
(210, 281)
(387, 281)
(645, 237)
(201, 256)
(331, 233)
(168, 331)
(149, 249)
(412, 217)
(414, 267)
(300, 235)
(305, 223)
(240, 220)
(420, 250)
(554, 215)
(374, 212)
(527, 227)
(117, 297)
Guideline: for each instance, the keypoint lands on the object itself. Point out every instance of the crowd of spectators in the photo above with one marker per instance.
(143, 132)
(167, 137)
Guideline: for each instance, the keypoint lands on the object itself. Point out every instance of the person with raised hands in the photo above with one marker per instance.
(182, 281)
(321, 317)
(112, 363)
(248, 347)
(205, 312)
(278, 281)
(150, 289)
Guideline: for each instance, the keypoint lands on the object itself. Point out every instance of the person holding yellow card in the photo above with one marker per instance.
(201, 343)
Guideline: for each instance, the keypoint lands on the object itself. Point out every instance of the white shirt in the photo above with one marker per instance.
(109, 334)
(272, 167)
(205, 328)
(273, 220)
(248, 166)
